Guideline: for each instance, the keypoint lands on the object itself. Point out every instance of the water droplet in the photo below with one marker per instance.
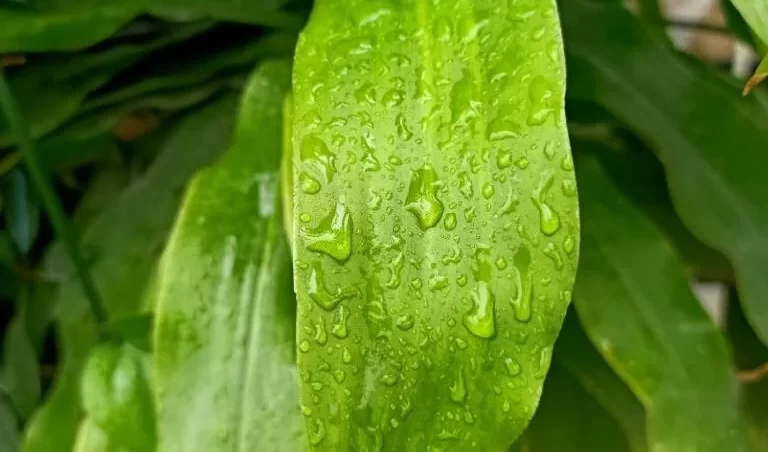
(402, 128)
(569, 188)
(524, 284)
(480, 319)
(319, 434)
(549, 150)
(320, 295)
(461, 280)
(422, 197)
(502, 129)
(395, 267)
(438, 282)
(513, 368)
(370, 162)
(416, 283)
(321, 337)
(306, 411)
(549, 220)
(304, 346)
(393, 98)
(522, 162)
(461, 343)
(405, 322)
(315, 153)
(450, 222)
(346, 355)
(468, 417)
(501, 263)
(458, 388)
(465, 185)
(488, 190)
(542, 97)
(394, 160)
(317, 386)
(550, 250)
(462, 100)
(333, 235)
(470, 214)
(309, 184)
(545, 356)
(569, 244)
(390, 379)
(340, 326)
(339, 376)
(305, 217)
(567, 163)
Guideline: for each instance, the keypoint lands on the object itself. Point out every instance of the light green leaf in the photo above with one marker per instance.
(435, 220)
(575, 353)
(636, 306)
(570, 420)
(710, 140)
(53, 90)
(66, 25)
(225, 323)
(91, 438)
(760, 74)
(124, 242)
(755, 12)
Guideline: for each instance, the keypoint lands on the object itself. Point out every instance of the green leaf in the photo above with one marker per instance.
(20, 372)
(9, 430)
(755, 12)
(91, 438)
(124, 242)
(636, 306)
(225, 321)
(750, 355)
(760, 74)
(66, 25)
(709, 139)
(569, 419)
(575, 353)
(435, 220)
(22, 211)
(117, 396)
(52, 90)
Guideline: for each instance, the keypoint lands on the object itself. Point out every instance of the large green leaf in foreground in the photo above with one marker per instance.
(637, 308)
(224, 353)
(435, 225)
(711, 140)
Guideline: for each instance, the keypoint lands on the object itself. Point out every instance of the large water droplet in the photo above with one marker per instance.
(458, 387)
(422, 197)
(549, 220)
(524, 284)
(320, 295)
(481, 320)
(340, 325)
(309, 184)
(333, 235)
(321, 337)
(315, 153)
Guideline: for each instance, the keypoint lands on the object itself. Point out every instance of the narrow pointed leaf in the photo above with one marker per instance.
(755, 13)
(757, 78)
(225, 324)
(635, 304)
(123, 242)
(435, 220)
(710, 139)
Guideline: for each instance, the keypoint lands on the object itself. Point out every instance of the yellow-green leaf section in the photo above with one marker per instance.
(435, 220)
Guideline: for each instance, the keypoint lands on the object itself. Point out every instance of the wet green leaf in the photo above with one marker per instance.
(710, 140)
(225, 322)
(435, 220)
(123, 243)
(635, 304)
(65, 25)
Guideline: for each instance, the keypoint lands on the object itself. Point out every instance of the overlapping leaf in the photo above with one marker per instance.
(435, 220)
(710, 140)
(637, 308)
(225, 322)
(124, 242)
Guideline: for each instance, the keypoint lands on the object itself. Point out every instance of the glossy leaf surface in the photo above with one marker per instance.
(225, 321)
(635, 304)
(710, 140)
(435, 220)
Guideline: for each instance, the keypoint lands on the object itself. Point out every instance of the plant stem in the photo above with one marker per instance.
(26, 145)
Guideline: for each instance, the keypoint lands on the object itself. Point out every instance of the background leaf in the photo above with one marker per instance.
(637, 308)
(225, 332)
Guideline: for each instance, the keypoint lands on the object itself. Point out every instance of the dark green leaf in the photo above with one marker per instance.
(22, 211)
(52, 90)
(637, 308)
(9, 425)
(225, 332)
(570, 420)
(135, 330)
(710, 139)
(435, 220)
(20, 371)
(123, 243)
(575, 353)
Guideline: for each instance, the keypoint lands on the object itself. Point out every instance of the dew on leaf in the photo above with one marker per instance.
(320, 294)
(524, 284)
(549, 220)
(315, 153)
(458, 387)
(422, 198)
(309, 184)
(340, 323)
(333, 235)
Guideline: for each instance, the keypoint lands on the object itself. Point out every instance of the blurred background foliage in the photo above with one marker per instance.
(665, 346)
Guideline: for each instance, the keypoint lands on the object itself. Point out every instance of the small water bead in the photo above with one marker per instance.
(569, 244)
(422, 199)
(390, 379)
(550, 250)
(488, 190)
(339, 376)
(394, 160)
(304, 346)
(403, 131)
(549, 220)
(374, 201)
(317, 386)
(522, 162)
(346, 355)
(513, 368)
(569, 188)
(450, 222)
(462, 280)
(405, 322)
(321, 337)
(545, 357)
(523, 298)
(465, 185)
(309, 184)
(393, 98)
(340, 326)
(567, 163)
(501, 263)
(416, 283)
(501, 129)
(333, 235)
(306, 411)
(549, 150)
(370, 162)
(458, 387)
(481, 320)
(438, 282)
